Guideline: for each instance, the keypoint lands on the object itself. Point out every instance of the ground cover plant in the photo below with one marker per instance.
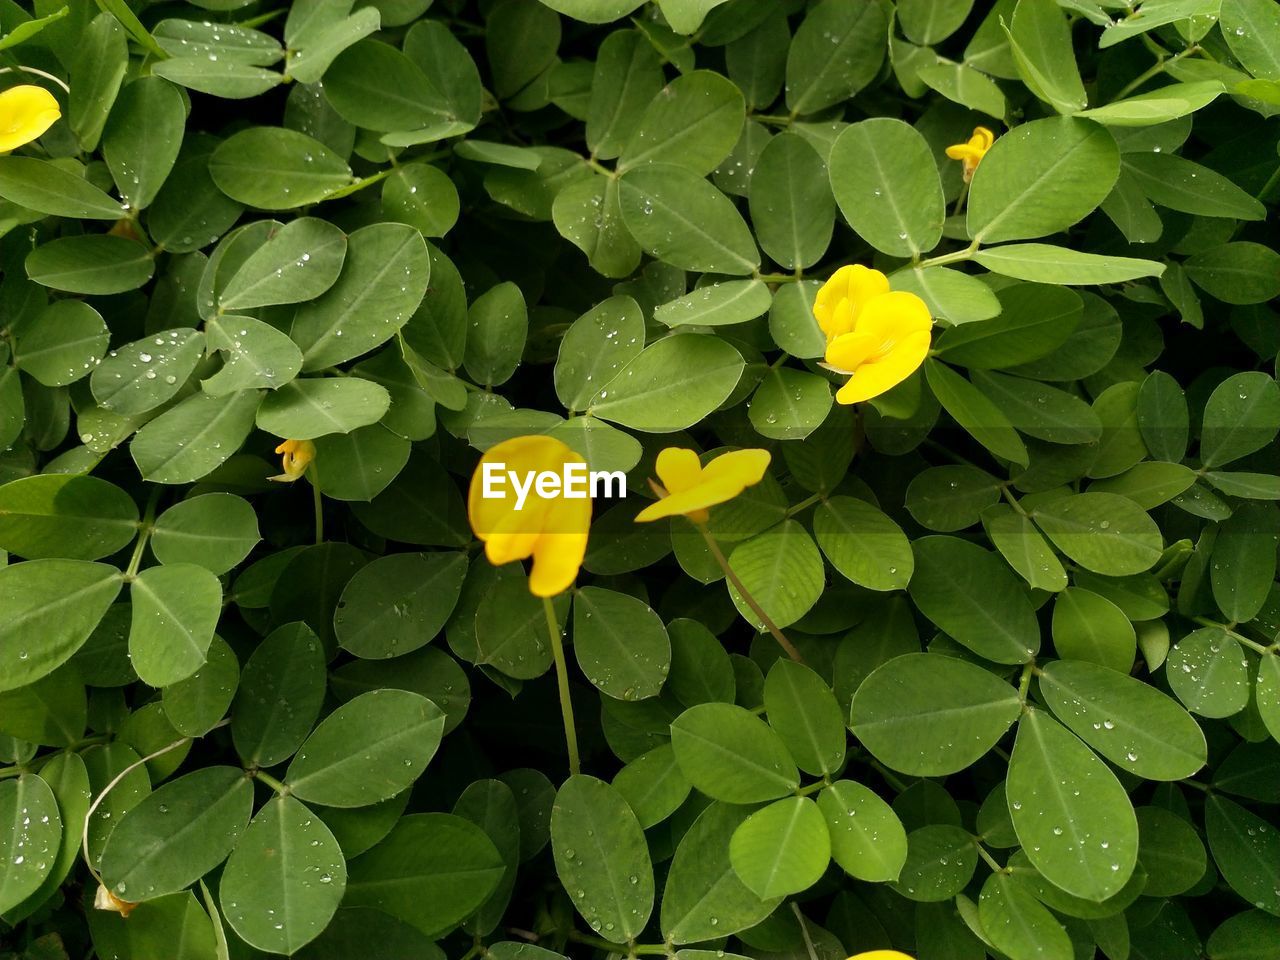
(936, 341)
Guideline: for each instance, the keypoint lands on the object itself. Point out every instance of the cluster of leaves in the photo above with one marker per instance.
(1034, 586)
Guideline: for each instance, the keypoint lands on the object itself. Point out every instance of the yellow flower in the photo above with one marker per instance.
(297, 455)
(876, 336)
(26, 112)
(973, 150)
(880, 955)
(689, 488)
(550, 528)
(104, 899)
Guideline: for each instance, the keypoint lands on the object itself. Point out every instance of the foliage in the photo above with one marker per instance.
(1032, 587)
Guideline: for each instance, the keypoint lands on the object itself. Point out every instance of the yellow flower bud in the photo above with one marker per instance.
(296, 456)
(972, 151)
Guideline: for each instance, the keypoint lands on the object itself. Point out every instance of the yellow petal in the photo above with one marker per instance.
(523, 455)
(853, 283)
(872, 379)
(678, 468)
(850, 351)
(26, 112)
(960, 151)
(983, 138)
(556, 559)
(747, 467)
(893, 316)
(880, 955)
(701, 497)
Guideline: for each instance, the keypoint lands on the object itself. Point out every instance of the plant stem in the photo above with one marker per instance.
(313, 475)
(280, 788)
(964, 195)
(743, 592)
(806, 502)
(144, 534)
(38, 73)
(1024, 682)
(636, 949)
(1161, 64)
(956, 257)
(1253, 645)
(982, 852)
(562, 682)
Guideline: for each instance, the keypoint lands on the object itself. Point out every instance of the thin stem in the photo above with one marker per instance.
(964, 195)
(562, 683)
(779, 277)
(38, 73)
(804, 931)
(13, 771)
(1238, 637)
(636, 949)
(956, 257)
(88, 817)
(280, 788)
(1013, 501)
(814, 787)
(1162, 63)
(982, 852)
(806, 502)
(144, 534)
(743, 592)
(313, 475)
(1024, 682)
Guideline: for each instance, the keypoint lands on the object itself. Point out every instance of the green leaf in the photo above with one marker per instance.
(254, 354)
(142, 138)
(886, 183)
(1247, 850)
(601, 858)
(147, 373)
(1041, 411)
(1034, 320)
(398, 603)
(298, 262)
(790, 404)
(1156, 106)
(731, 755)
(99, 61)
(284, 879)
(1252, 31)
(190, 440)
(276, 169)
(1045, 263)
(781, 849)
(1238, 937)
(950, 295)
(1243, 571)
(803, 711)
(92, 263)
(1021, 544)
(280, 694)
(422, 196)
(313, 50)
(367, 750)
(177, 834)
(215, 531)
(863, 544)
(81, 518)
(693, 122)
(1170, 851)
(1209, 673)
(1089, 627)
(313, 407)
(782, 570)
(29, 838)
(1242, 415)
(1179, 184)
(432, 871)
(626, 77)
(230, 79)
(375, 86)
(970, 407)
(1040, 40)
(867, 838)
(499, 324)
(965, 86)
(931, 715)
(1072, 816)
(173, 925)
(973, 597)
(1103, 532)
(50, 712)
(1017, 925)
(194, 706)
(52, 189)
(65, 343)
(175, 611)
(950, 498)
(703, 898)
(790, 203)
(653, 785)
(1041, 177)
(620, 643)
(1242, 272)
(940, 862)
(670, 385)
(718, 304)
(51, 608)
(678, 217)
(837, 50)
(1129, 722)
(588, 214)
